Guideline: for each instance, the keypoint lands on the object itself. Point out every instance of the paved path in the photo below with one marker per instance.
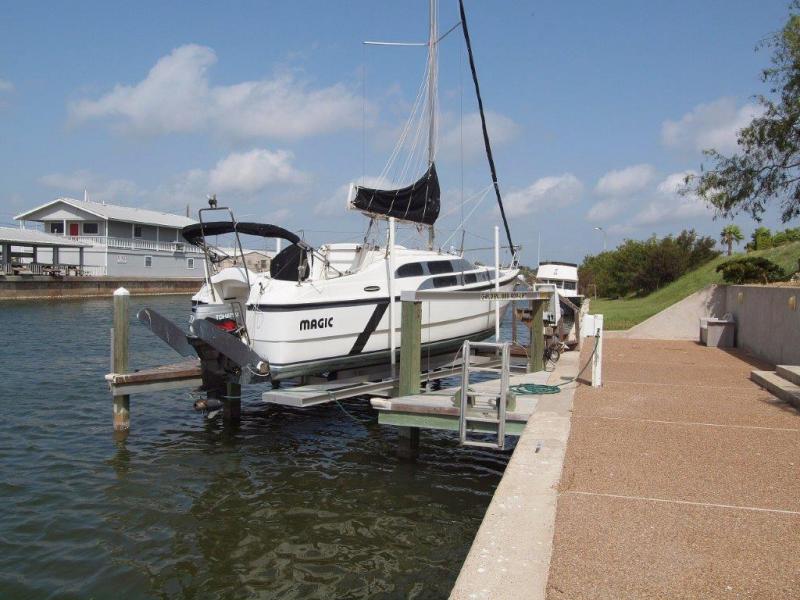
(681, 480)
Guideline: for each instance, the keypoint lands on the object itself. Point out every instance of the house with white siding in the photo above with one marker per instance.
(123, 241)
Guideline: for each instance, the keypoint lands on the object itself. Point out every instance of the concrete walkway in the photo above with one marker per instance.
(681, 480)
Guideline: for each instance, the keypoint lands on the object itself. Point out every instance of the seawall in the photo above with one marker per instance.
(43, 287)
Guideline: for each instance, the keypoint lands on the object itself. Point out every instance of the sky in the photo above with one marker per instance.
(596, 110)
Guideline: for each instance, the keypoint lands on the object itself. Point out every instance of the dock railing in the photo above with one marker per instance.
(411, 341)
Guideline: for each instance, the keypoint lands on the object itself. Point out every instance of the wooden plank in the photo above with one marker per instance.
(181, 370)
(129, 389)
(443, 422)
(430, 295)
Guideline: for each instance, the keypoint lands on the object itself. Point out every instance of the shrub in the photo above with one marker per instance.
(643, 266)
(751, 269)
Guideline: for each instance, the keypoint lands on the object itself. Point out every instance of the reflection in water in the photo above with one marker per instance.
(291, 504)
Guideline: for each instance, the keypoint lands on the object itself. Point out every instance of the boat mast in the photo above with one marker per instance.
(433, 35)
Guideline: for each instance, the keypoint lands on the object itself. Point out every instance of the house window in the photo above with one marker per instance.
(148, 261)
(56, 227)
(137, 231)
(91, 228)
(190, 263)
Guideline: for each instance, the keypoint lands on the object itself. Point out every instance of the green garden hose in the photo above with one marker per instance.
(541, 388)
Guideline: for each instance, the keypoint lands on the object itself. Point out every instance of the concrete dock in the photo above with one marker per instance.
(680, 479)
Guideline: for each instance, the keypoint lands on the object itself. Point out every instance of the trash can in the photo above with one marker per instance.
(718, 333)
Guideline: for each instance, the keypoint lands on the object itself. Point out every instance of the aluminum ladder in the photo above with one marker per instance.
(470, 398)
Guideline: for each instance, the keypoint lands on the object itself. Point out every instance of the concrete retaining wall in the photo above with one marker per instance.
(35, 287)
(766, 325)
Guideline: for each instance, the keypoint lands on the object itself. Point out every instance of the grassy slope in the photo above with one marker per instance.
(622, 314)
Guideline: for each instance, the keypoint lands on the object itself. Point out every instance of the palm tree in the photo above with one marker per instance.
(731, 234)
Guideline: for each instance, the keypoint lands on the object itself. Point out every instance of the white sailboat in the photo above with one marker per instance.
(320, 310)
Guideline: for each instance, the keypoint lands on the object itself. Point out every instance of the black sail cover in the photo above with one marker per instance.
(418, 203)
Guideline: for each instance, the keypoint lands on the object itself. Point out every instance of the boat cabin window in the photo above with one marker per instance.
(439, 282)
(448, 281)
(410, 270)
(463, 265)
(440, 266)
(471, 278)
(569, 285)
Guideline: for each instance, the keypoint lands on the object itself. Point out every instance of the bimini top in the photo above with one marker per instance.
(194, 233)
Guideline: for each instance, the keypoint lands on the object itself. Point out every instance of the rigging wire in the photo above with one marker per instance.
(364, 112)
(461, 126)
(486, 142)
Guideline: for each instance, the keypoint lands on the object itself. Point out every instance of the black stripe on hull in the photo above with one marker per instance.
(370, 328)
(366, 359)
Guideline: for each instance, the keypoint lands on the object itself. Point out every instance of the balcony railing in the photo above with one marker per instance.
(137, 244)
(52, 269)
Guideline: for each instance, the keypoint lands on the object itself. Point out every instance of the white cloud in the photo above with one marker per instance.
(554, 191)
(336, 204)
(605, 209)
(6, 86)
(712, 125)
(501, 129)
(625, 181)
(238, 176)
(177, 97)
(249, 172)
(669, 206)
(98, 187)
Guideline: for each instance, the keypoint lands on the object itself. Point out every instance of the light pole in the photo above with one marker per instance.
(604, 236)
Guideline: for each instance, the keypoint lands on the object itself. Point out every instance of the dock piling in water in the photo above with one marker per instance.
(119, 356)
(410, 358)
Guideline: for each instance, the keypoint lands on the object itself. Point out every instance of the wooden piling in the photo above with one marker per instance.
(536, 348)
(119, 356)
(410, 364)
(410, 352)
(513, 324)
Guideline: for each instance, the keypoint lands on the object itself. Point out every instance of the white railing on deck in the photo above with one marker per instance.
(137, 244)
(49, 269)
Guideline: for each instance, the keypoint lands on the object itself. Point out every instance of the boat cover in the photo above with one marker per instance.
(194, 233)
(418, 203)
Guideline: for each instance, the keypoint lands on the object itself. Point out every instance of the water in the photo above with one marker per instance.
(293, 504)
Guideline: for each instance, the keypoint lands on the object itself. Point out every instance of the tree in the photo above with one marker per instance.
(642, 266)
(767, 165)
(751, 269)
(761, 239)
(731, 234)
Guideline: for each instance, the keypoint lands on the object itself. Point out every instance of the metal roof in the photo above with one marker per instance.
(114, 212)
(34, 237)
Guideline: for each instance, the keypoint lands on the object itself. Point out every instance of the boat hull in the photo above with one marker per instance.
(319, 337)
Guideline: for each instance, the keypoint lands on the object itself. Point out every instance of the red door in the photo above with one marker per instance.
(73, 229)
